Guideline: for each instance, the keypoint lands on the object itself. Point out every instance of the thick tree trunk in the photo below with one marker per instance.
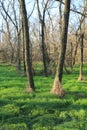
(57, 87)
(30, 86)
(81, 57)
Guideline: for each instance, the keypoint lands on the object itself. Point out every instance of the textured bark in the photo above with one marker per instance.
(81, 58)
(57, 86)
(30, 86)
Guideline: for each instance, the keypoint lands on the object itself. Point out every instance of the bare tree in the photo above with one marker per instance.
(27, 46)
(42, 22)
(57, 86)
(82, 32)
(9, 35)
(16, 25)
(81, 57)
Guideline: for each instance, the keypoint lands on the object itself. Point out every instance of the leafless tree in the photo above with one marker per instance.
(57, 87)
(30, 86)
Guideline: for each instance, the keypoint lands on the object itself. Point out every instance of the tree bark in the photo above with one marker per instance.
(18, 53)
(30, 86)
(24, 65)
(44, 50)
(81, 57)
(57, 86)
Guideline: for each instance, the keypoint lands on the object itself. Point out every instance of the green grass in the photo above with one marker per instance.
(41, 110)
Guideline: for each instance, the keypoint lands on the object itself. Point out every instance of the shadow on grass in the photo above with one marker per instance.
(43, 113)
(41, 110)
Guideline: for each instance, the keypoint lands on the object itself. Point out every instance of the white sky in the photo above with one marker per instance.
(74, 18)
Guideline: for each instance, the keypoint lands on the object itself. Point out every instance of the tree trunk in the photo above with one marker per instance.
(18, 53)
(75, 52)
(44, 50)
(57, 86)
(30, 86)
(43, 45)
(81, 57)
(24, 65)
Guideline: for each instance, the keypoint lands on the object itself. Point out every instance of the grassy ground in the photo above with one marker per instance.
(41, 110)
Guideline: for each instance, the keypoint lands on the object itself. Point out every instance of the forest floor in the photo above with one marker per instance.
(42, 110)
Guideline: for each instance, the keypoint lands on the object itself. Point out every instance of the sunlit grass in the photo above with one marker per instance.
(41, 110)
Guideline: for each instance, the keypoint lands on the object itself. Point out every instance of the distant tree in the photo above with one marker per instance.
(42, 23)
(15, 21)
(27, 46)
(82, 32)
(9, 42)
(81, 57)
(57, 86)
(23, 50)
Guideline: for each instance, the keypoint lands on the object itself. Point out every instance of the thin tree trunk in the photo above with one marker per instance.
(30, 86)
(81, 57)
(42, 22)
(18, 53)
(44, 50)
(57, 86)
(75, 52)
(23, 51)
(71, 57)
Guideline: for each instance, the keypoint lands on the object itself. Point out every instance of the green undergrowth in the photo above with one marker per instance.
(41, 110)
